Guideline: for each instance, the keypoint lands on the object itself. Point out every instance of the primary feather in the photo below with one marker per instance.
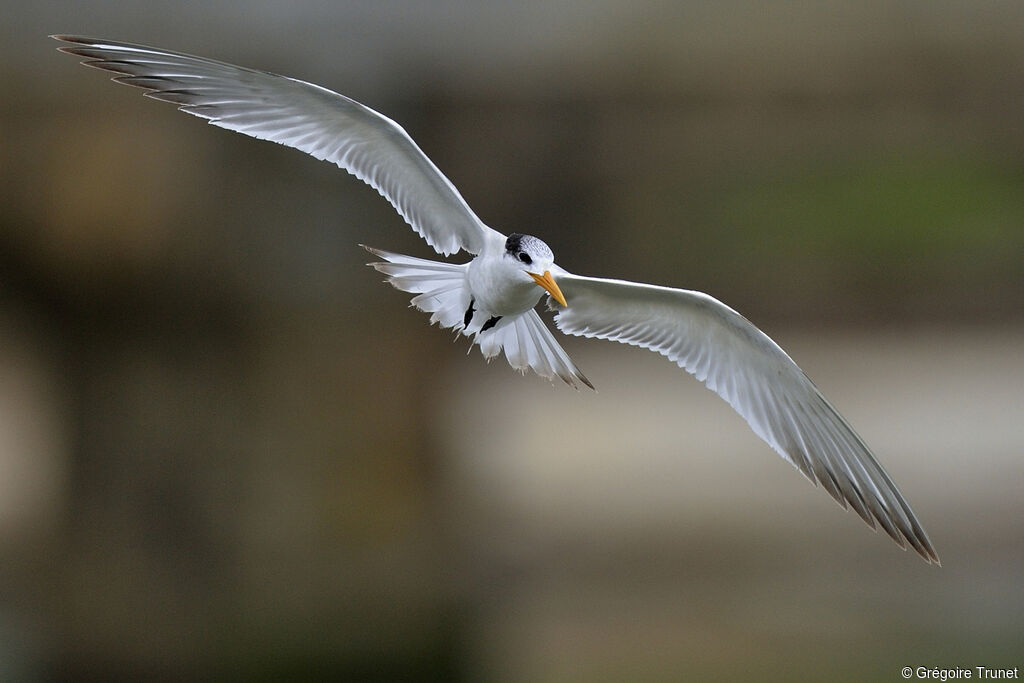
(305, 116)
(758, 379)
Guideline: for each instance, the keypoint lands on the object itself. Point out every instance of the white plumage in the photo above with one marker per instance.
(492, 298)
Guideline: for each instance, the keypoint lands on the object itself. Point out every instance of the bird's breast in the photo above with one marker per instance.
(500, 288)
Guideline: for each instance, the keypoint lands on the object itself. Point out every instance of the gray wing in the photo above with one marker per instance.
(317, 121)
(745, 367)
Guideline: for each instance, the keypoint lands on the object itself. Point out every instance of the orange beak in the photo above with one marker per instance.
(548, 284)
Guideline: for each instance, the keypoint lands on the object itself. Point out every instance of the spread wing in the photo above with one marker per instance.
(745, 367)
(317, 121)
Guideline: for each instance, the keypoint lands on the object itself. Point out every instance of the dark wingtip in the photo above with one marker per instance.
(923, 547)
(376, 252)
(928, 551)
(69, 38)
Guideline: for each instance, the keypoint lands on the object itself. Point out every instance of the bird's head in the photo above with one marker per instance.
(535, 259)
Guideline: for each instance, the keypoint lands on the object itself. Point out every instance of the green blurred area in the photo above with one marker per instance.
(924, 237)
(228, 450)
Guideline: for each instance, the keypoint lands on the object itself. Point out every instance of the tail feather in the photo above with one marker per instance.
(441, 287)
(441, 291)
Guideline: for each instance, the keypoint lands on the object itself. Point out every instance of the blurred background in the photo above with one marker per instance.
(226, 448)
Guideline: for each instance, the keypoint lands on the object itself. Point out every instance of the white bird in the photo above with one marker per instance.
(492, 298)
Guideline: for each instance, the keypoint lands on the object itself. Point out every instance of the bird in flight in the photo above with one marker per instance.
(492, 299)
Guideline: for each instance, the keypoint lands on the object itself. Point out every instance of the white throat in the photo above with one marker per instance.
(500, 286)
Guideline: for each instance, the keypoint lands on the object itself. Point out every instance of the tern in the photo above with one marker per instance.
(492, 299)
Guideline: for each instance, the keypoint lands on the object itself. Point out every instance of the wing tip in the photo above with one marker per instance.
(583, 378)
(76, 42)
(925, 551)
(571, 380)
(924, 547)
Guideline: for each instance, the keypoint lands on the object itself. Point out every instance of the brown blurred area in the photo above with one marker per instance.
(227, 450)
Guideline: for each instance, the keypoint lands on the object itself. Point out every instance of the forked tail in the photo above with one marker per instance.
(441, 290)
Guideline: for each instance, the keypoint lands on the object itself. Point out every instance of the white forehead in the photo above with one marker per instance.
(533, 246)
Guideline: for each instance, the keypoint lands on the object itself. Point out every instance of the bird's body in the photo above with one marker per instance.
(492, 298)
(496, 283)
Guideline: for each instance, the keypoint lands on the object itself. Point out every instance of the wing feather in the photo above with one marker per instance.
(758, 379)
(305, 116)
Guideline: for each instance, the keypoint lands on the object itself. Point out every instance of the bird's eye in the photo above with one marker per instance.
(525, 258)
